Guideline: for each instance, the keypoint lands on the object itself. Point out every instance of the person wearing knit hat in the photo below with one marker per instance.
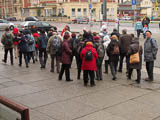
(65, 58)
(98, 45)
(89, 57)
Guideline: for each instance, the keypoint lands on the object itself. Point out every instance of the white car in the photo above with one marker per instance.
(5, 23)
(126, 18)
(24, 25)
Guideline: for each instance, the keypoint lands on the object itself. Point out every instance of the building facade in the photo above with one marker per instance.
(76, 8)
(6, 8)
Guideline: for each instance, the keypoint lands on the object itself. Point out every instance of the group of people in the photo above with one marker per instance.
(90, 49)
(142, 26)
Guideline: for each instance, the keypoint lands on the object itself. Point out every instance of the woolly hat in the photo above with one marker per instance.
(89, 43)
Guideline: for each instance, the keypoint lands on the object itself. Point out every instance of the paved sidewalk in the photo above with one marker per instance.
(50, 99)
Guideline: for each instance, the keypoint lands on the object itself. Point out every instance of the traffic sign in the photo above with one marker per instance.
(90, 6)
(134, 2)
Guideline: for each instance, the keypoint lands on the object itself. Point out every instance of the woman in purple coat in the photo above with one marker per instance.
(66, 57)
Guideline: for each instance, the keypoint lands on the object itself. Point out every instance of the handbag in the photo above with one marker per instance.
(134, 58)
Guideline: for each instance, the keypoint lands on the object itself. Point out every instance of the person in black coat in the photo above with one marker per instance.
(134, 48)
(113, 54)
(23, 49)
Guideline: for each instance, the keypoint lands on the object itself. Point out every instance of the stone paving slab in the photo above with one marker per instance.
(35, 115)
(111, 96)
(18, 90)
(66, 110)
(132, 110)
(11, 83)
(101, 115)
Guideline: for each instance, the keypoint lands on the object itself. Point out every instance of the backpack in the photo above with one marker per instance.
(100, 51)
(134, 58)
(56, 45)
(116, 50)
(29, 40)
(75, 44)
(88, 55)
(8, 39)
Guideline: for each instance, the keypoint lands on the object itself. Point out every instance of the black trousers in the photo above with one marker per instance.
(65, 67)
(91, 74)
(25, 58)
(138, 33)
(113, 67)
(30, 55)
(106, 65)
(43, 56)
(6, 54)
(149, 68)
(138, 74)
(122, 55)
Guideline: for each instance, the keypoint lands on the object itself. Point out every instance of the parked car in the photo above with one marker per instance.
(5, 23)
(126, 18)
(39, 25)
(25, 25)
(80, 20)
(11, 19)
(31, 18)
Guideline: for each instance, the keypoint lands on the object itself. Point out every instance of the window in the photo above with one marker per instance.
(73, 12)
(85, 11)
(45, 24)
(15, 9)
(94, 11)
(79, 11)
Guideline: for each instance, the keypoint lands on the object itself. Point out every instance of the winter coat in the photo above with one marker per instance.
(50, 46)
(107, 40)
(124, 43)
(23, 44)
(31, 48)
(42, 41)
(89, 65)
(138, 26)
(3, 39)
(66, 52)
(150, 49)
(134, 48)
(110, 50)
(74, 41)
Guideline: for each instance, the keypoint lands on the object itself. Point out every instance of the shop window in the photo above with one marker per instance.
(85, 11)
(79, 11)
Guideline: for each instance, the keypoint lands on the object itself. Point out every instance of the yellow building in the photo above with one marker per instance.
(75, 8)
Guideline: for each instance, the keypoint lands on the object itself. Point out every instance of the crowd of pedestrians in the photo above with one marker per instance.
(90, 49)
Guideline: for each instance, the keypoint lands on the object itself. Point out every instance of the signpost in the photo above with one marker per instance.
(134, 2)
(90, 9)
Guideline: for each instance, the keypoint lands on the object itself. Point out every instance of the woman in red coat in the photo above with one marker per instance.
(89, 65)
